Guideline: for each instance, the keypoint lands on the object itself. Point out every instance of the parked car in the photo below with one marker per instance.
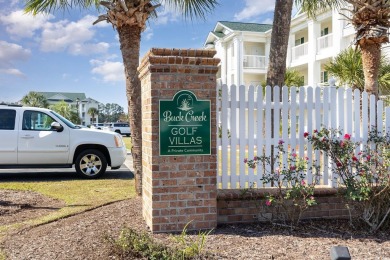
(40, 138)
(97, 126)
(118, 127)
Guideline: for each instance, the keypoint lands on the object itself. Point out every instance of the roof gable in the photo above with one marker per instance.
(246, 27)
(63, 95)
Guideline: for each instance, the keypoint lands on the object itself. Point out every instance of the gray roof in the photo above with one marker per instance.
(68, 95)
(246, 27)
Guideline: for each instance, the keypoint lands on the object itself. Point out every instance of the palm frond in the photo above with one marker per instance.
(192, 8)
(49, 6)
(313, 7)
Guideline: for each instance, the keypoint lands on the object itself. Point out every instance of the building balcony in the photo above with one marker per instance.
(324, 42)
(255, 62)
(300, 51)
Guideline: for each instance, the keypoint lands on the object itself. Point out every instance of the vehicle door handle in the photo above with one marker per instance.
(27, 137)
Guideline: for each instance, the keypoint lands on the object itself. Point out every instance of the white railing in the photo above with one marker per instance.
(300, 51)
(324, 42)
(244, 116)
(255, 61)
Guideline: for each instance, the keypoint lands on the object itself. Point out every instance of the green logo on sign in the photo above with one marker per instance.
(185, 127)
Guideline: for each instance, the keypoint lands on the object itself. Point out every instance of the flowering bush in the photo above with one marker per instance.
(362, 169)
(294, 195)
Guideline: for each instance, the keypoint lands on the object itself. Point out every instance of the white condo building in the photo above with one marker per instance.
(244, 47)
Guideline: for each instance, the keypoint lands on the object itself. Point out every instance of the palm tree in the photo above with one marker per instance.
(281, 30)
(129, 18)
(371, 19)
(34, 99)
(66, 110)
(293, 78)
(347, 67)
(93, 111)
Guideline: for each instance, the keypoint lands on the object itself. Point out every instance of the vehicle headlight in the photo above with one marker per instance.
(118, 141)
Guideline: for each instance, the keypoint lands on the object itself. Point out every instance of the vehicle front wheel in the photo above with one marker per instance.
(91, 164)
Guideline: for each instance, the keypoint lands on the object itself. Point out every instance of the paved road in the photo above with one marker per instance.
(125, 172)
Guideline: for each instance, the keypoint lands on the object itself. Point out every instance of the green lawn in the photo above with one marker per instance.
(78, 194)
(127, 141)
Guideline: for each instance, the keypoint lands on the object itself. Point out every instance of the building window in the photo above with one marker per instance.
(299, 41)
(325, 31)
(324, 76)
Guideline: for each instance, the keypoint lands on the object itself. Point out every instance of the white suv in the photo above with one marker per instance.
(40, 138)
(118, 127)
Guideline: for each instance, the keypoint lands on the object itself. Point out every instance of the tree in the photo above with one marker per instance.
(93, 111)
(371, 19)
(34, 99)
(110, 112)
(293, 78)
(281, 31)
(129, 18)
(347, 67)
(66, 110)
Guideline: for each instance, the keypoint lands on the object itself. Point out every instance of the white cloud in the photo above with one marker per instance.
(254, 8)
(166, 14)
(14, 72)
(110, 71)
(10, 53)
(76, 37)
(21, 25)
(148, 34)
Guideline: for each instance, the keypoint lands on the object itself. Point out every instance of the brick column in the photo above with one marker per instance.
(177, 189)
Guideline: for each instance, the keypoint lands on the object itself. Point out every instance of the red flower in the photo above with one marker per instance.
(368, 157)
(316, 131)
(341, 144)
(354, 158)
(293, 167)
(347, 136)
(245, 160)
(305, 134)
(338, 164)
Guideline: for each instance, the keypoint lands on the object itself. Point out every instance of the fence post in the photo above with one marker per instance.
(179, 160)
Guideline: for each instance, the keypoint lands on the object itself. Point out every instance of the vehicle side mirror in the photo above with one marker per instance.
(56, 127)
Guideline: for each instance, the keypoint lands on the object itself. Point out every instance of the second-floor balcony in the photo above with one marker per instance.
(300, 51)
(324, 42)
(255, 62)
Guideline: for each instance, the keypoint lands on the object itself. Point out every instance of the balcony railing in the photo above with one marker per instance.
(255, 61)
(324, 42)
(299, 51)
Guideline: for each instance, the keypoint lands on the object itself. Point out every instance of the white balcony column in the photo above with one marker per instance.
(314, 67)
(267, 50)
(291, 44)
(222, 46)
(337, 30)
(238, 57)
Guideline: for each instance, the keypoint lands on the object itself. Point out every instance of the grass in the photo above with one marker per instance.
(127, 141)
(78, 195)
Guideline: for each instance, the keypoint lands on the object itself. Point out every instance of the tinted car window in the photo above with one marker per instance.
(34, 120)
(7, 119)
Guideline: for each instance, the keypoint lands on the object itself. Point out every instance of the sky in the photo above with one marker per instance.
(64, 52)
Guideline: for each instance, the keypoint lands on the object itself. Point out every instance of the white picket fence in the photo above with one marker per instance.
(244, 121)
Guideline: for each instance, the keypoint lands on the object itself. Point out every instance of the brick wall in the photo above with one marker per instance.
(177, 189)
(239, 206)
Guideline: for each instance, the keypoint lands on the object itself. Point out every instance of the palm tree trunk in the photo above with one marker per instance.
(278, 54)
(279, 42)
(371, 56)
(129, 38)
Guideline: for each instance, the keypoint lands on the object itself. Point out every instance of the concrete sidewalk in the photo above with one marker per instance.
(129, 161)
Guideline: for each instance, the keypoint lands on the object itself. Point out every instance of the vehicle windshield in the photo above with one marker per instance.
(63, 119)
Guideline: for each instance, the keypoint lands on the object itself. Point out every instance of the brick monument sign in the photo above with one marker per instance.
(179, 139)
